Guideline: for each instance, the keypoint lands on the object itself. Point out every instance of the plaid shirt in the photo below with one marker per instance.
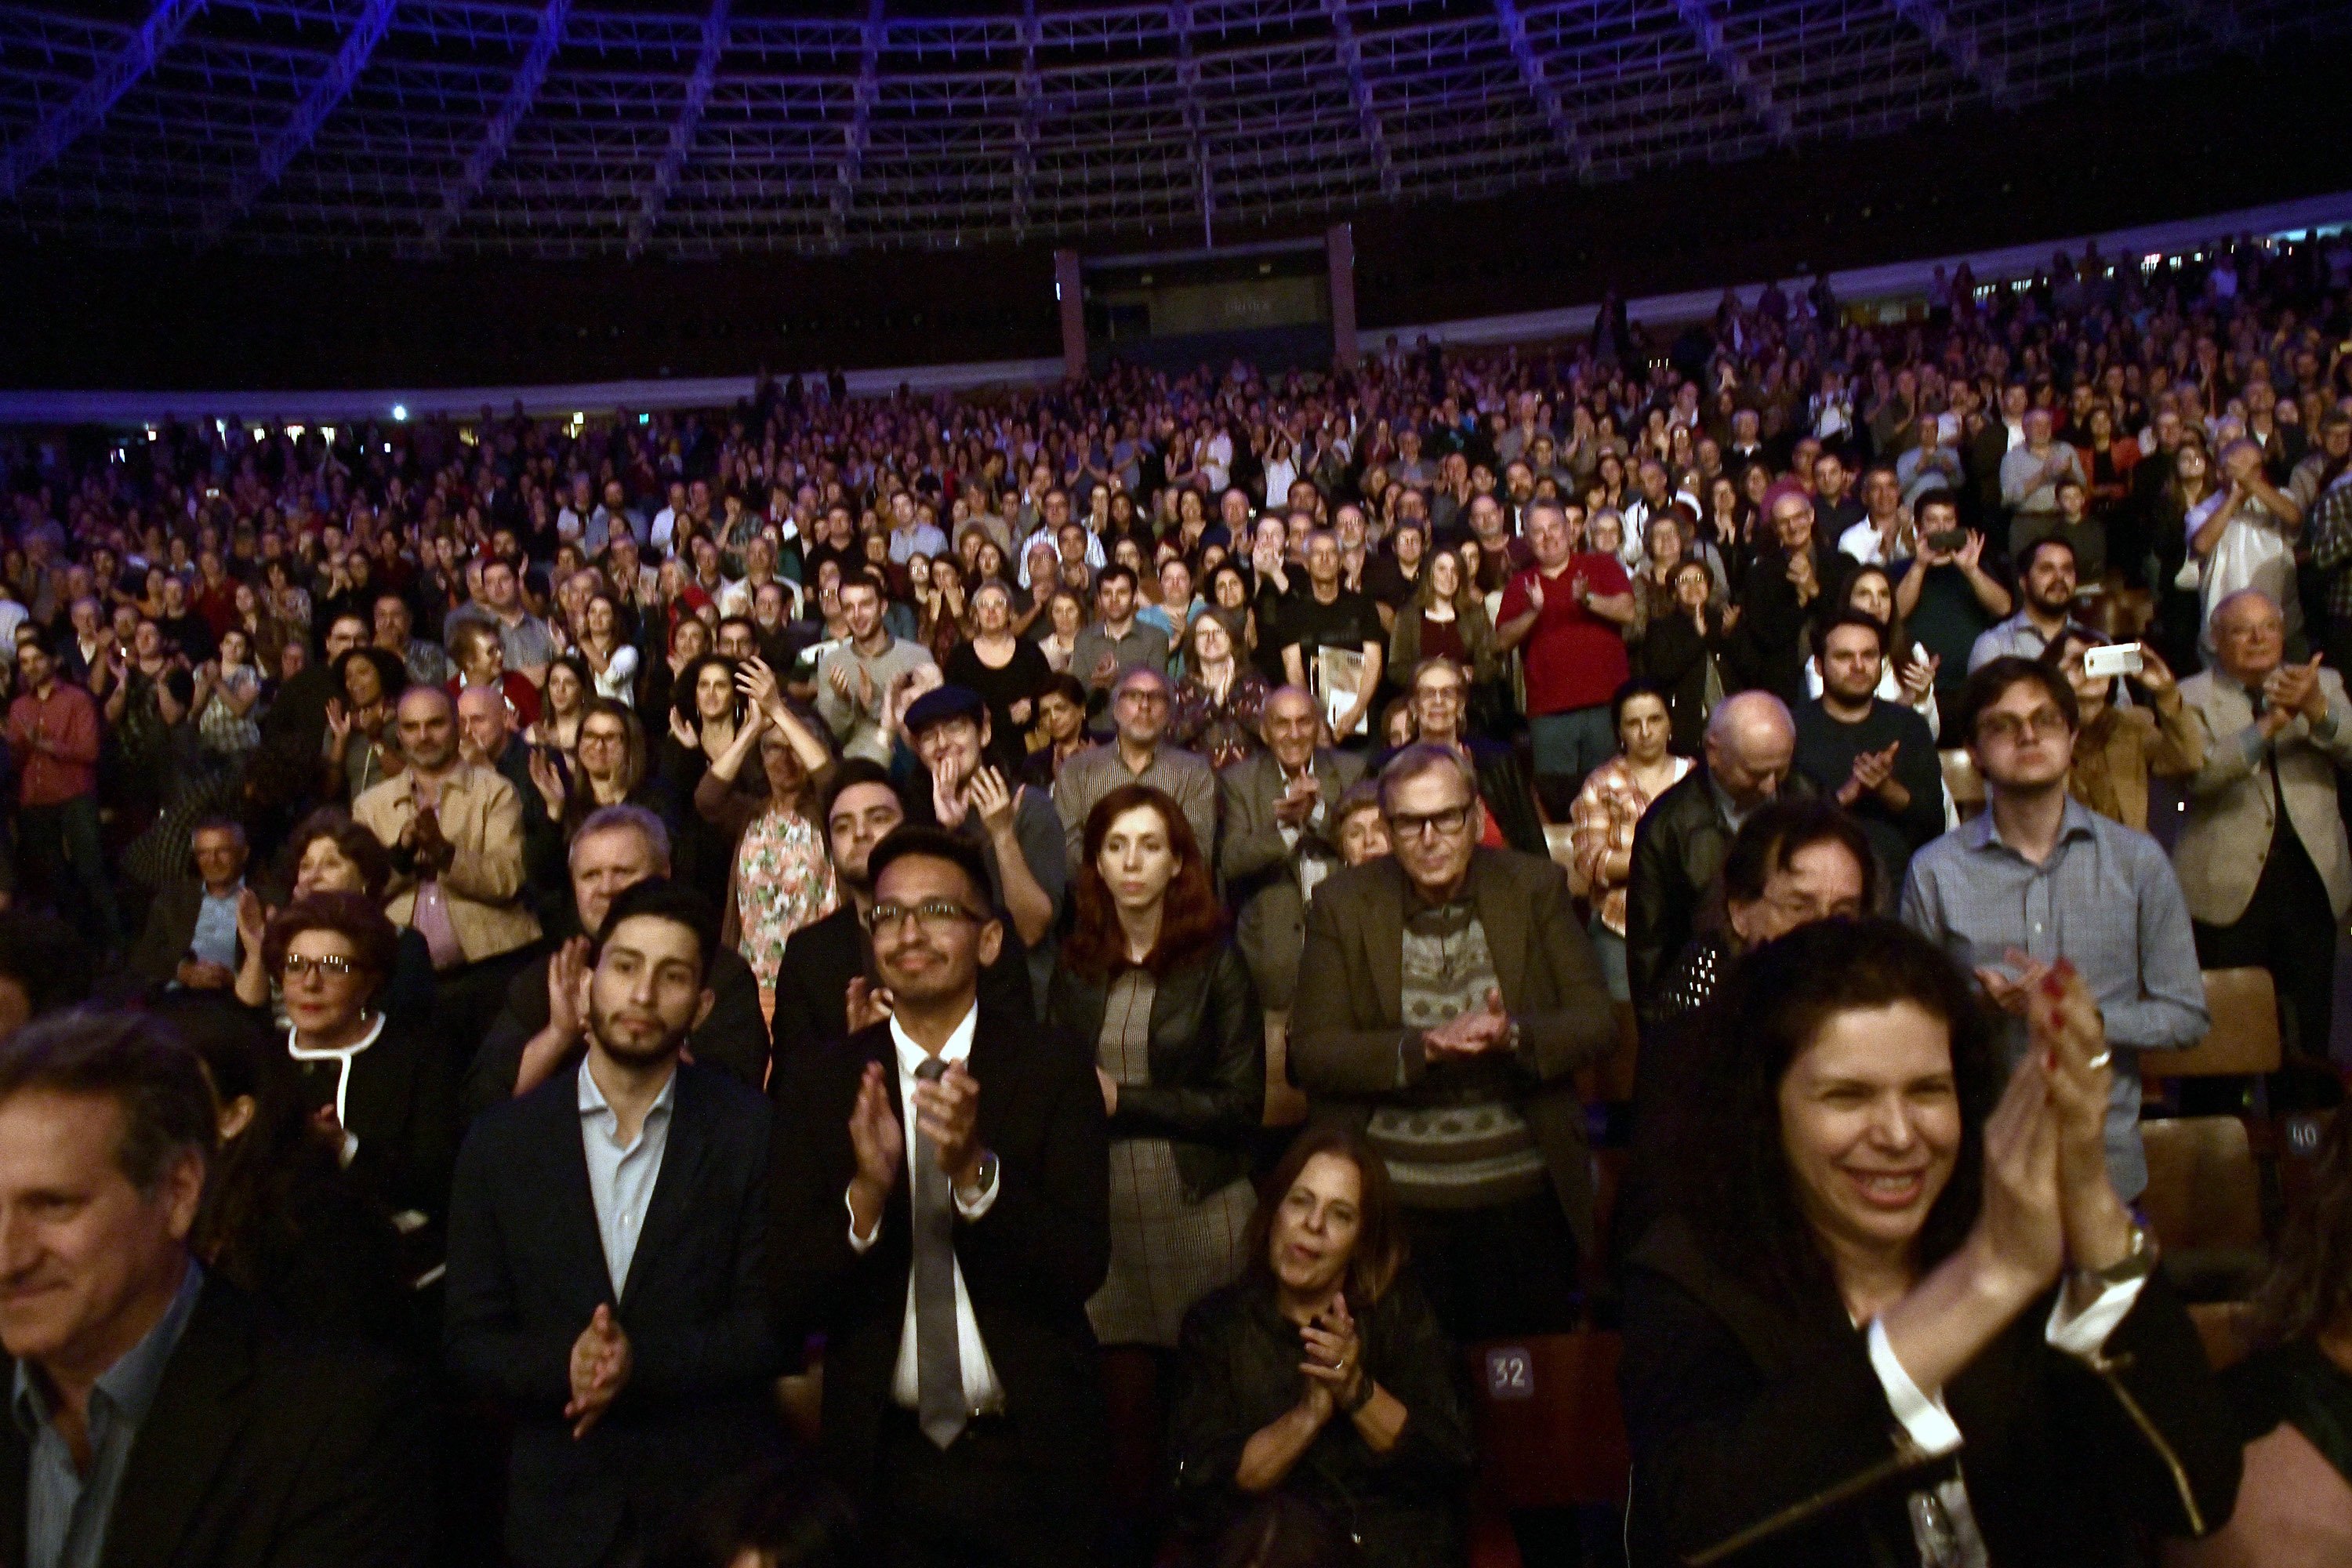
(2329, 528)
(2106, 898)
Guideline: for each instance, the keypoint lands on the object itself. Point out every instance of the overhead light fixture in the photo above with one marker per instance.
(400, 413)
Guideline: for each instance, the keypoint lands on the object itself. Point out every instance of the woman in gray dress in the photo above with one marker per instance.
(1149, 975)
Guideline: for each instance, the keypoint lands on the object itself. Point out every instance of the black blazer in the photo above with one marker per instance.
(402, 1106)
(527, 1271)
(1207, 1093)
(263, 1449)
(1760, 1426)
(1030, 1263)
(822, 957)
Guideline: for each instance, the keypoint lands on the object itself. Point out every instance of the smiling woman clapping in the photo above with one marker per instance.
(1905, 1319)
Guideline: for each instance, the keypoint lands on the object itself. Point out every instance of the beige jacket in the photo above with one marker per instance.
(482, 818)
(2225, 836)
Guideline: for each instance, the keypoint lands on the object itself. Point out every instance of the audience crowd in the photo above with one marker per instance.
(1012, 979)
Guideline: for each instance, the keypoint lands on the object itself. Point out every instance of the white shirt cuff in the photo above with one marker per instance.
(1924, 1418)
(858, 1245)
(2085, 1333)
(1289, 834)
(977, 1208)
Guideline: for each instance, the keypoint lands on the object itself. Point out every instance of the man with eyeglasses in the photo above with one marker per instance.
(1440, 691)
(1138, 753)
(2262, 854)
(825, 987)
(942, 1199)
(1447, 995)
(2039, 879)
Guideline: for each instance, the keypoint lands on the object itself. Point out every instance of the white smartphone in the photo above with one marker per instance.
(2114, 659)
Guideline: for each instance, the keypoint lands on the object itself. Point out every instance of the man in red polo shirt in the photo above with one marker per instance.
(1568, 612)
(52, 729)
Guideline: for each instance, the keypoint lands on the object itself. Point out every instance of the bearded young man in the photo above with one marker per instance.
(607, 1240)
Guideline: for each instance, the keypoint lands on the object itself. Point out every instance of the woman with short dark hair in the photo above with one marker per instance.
(1899, 1314)
(381, 1088)
(1322, 1373)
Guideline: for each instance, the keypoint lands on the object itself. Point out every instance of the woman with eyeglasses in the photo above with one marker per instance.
(1321, 1375)
(381, 1090)
(330, 853)
(1893, 1312)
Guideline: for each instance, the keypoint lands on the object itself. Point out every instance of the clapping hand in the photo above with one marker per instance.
(879, 1144)
(866, 1004)
(758, 686)
(1335, 1355)
(948, 802)
(1473, 1032)
(2294, 690)
(1300, 799)
(947, 1109)
(993, 797)
(1869, 774)
(1918, 678)
(601, 1363)
(683, 732)
(548, 778)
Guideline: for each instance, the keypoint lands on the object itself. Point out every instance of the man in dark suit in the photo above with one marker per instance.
(191, 938)
(159, 1418)
(1447, 994)
(1682, 839)
(942, 1192)
(606, 1249)
(825, 987)
(537, 1031)
(1281, 809)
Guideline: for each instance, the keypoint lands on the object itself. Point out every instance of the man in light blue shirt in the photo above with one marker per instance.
(2039, 877)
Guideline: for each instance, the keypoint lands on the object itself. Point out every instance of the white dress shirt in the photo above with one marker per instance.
(620, 1180)
(982, 1391)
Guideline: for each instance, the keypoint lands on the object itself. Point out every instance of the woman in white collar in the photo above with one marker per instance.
(381, 1089)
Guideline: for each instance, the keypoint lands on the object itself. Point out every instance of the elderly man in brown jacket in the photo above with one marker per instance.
(455, 832)
(1447, 994)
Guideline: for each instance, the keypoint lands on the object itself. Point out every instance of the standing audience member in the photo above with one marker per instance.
(1457, 979)
(1280, 810)
(381, 1092)
(159, 1413)
(2045, 576)
(1874, 758)
(854, 677)
(454, 831)
(54, 732)
(1567, 615)
(1139, 752)
(1681, 839)
(1894, 1261)
(1321, 1376)
(540, 1031)
(941, 1191)
(1606, 813)
(2039, 878)
(2120, 748)
(607, 1254)
(2261, 853)
(1147, 975)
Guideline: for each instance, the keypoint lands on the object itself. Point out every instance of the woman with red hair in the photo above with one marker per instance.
(1149, 975)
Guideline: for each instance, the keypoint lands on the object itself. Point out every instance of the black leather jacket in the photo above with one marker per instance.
(1207, 1093)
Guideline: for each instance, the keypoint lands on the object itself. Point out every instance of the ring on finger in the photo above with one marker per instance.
(2096, 1062)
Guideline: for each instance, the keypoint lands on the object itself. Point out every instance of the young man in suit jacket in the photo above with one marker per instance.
(942, 1192)
(158, 1418)
(827, 971)
(1447, 995)
(606, 1249)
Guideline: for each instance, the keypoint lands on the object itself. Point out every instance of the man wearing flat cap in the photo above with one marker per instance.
(1015, 827)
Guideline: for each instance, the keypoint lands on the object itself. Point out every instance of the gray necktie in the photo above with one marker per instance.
(939, 1360)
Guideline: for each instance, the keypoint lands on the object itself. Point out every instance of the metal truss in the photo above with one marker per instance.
(567, 128)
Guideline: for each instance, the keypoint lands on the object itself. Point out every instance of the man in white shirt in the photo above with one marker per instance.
(941, 1202)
